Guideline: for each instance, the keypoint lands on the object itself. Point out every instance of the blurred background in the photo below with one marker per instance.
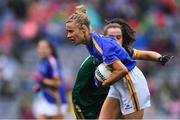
(24, 22)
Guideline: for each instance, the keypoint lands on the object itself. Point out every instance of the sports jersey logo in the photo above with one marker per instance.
(127, 107)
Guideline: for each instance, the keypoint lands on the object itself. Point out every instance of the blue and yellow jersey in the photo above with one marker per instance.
(107, 50)
(50, 68)
(133, 53)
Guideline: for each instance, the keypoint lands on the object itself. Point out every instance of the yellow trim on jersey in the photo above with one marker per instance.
(75, 112)
(134, 91)
(79, 115)
(82, 116)
(136, 54)
(97, 46)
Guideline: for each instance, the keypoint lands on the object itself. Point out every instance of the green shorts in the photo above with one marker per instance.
(87, 113)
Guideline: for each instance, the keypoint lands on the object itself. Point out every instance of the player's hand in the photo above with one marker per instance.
(97, 83)
(36, 88)
(164, 59)
(38, 77)
(105, 85)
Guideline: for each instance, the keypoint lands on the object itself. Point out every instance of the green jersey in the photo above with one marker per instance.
(85, 94)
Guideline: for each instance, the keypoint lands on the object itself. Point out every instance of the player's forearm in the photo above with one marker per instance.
(114, 77)
(118, 71)
(52, 82)
(149, 55)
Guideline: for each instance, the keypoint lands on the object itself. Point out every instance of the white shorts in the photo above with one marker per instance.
(42, 107)
(132, 92)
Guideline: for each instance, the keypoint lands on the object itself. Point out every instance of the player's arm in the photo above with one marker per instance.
(118, 71)
(148, 55)
(54, 83)
(152, 56)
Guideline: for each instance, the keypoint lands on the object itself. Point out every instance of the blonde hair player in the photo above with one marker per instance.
(126, 80)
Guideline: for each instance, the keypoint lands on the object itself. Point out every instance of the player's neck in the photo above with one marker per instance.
(87, 38)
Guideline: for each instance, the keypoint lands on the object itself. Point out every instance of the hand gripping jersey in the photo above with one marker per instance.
(50, 68)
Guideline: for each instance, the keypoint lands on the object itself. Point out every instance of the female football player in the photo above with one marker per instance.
(106, 50)
(51, 102)
(84, 80)
(125, 36)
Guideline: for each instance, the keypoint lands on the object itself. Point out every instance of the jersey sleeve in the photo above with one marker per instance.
(136, 54)
(109, 55)
(133, 53)
(54, 66)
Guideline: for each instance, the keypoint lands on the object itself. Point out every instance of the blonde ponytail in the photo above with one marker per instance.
(80, 16)
(81, 9)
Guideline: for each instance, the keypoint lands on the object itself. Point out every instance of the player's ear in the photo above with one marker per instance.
(84, 28)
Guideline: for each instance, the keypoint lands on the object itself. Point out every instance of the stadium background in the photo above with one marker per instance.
(24, 22)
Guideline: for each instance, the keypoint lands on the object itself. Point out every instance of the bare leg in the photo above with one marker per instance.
(45, 117)
(136, 115)
(110, 109)
(56, 117)
(42, 117)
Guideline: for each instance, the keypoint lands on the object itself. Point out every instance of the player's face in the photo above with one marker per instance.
(43, 49)
(74, 33)
(117, 33)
